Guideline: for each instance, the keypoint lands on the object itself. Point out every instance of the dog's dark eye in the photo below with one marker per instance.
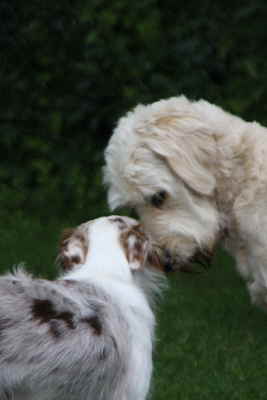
(158, 198)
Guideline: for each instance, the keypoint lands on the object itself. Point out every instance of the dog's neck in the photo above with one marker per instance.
(116, 282)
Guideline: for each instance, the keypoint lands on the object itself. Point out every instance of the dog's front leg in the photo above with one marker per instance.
(251, 250)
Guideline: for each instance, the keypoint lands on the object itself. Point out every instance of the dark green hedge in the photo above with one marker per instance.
(69, 69)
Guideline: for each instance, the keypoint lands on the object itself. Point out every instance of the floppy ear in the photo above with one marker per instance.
(188, 150)
(73, 249)
(135, 244)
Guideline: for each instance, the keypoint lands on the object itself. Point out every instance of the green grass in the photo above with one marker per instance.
(211, 342)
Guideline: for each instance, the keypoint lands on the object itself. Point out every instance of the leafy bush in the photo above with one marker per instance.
(69, 70)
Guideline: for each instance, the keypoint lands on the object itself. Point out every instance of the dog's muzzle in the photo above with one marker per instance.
(168, 262)
(202, 259)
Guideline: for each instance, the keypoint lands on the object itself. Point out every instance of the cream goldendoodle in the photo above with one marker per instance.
(196, 175)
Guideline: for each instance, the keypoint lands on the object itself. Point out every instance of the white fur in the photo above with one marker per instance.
(213, 167)
(89, 334)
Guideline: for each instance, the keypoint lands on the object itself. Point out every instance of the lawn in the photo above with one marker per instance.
(211, 341)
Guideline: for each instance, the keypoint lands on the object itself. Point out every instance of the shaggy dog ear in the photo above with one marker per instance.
(189, 151)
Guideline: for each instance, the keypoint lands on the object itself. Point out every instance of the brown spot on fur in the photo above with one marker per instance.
(124, 242)
(94, 323)
(68, 318)
(67, 261)
(55, 328)
(44, 312)
(66, 234)
(134, 251)
(75, 259)
(121, 223)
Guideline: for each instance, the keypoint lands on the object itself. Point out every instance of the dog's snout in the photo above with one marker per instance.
(200, 258)
(168, 262)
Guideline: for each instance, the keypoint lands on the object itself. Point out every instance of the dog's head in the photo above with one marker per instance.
(111, 245)
(161, 160)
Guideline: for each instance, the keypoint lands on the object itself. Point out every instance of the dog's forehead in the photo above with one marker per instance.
(103, 224)
(123, 223)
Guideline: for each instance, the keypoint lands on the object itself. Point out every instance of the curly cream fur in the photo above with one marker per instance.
(213, 167)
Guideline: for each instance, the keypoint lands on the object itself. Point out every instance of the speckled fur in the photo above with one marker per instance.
(78, 337)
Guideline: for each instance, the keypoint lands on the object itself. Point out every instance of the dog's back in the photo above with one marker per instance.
(65, 339)
(89, 334)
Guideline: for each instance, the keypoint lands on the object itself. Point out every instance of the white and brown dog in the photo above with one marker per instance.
(196, 175)
(87, 335)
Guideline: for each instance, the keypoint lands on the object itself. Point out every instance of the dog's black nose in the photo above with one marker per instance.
(168, 262)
